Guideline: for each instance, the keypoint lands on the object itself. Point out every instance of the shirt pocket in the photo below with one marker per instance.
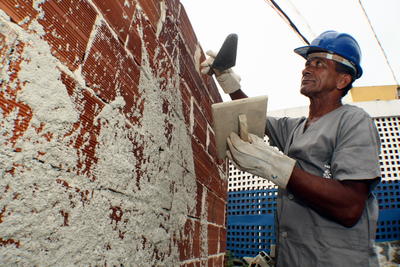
(341, 237)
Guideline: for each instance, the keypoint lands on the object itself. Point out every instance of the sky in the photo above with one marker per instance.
(266, 62)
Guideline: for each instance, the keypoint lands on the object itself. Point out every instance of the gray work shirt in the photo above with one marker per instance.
(343, 145)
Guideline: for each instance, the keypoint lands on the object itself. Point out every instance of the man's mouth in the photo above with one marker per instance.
(306, 80)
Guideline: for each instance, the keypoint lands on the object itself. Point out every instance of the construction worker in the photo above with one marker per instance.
(326, 213)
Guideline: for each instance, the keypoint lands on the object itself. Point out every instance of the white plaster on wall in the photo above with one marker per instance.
(197, 56)
(191, 115)
(60, 218)
(169, 173)
(160, 23)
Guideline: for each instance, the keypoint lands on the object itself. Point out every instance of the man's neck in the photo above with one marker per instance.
(320, 107)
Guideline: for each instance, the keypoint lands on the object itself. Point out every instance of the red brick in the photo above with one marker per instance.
(24, 10)
(197, 239)
(185, 92)
(134, 44)
(220, 260)
(218, 185)
(200, 125)
(213, 239)
(108, 68)
(224, 166)
(88, 107)
(212, 88)
(189, 244)
(152, 10)
(21, 123)
(222, 240)
(149, 39)
(118, 14)
(163, 68)
(196, 212)
(185, 27)
(128, 80)
(203, 81)
(185, 250)
(10, 58)
(207, 171)
(186, 101)
(216, 261)
(192, 85)
(68, 25)
(210, 262)
(189, 72)
(173, 8)
(210, 84)
(206, 109)
(138, 152)
(197, 263)
(215, 208)
(100, 66)
(211, 148)
(201, 167)
(168, 35)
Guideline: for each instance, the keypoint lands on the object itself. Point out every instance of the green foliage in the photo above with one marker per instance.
(231, 261)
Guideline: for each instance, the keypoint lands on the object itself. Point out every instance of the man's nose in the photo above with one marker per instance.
(306, 71)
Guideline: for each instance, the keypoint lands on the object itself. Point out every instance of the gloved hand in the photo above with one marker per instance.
(227, 79)
(260, 159)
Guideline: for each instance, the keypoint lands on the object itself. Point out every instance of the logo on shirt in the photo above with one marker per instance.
(327, 171)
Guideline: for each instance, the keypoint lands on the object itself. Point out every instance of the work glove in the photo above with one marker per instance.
(260, 159)
(227, 79)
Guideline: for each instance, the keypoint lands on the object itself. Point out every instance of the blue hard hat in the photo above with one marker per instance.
(333, 42)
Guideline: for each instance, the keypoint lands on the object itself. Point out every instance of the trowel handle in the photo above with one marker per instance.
(243, 128)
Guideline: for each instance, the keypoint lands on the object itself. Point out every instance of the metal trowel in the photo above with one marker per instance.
(226, 57)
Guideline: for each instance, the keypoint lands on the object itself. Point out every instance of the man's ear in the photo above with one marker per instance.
(343, 80)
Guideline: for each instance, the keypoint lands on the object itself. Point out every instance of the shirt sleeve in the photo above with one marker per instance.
(356, 156)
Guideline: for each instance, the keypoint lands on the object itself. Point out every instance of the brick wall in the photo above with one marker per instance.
(107, 154)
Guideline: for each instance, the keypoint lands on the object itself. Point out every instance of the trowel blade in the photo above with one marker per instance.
(226, 57)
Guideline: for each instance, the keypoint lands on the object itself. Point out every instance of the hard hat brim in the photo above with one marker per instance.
(304, 51)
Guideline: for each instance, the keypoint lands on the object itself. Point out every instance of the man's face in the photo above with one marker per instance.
(319, 77)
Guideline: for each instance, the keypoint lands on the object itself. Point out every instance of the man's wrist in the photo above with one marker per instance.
(238, 94)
